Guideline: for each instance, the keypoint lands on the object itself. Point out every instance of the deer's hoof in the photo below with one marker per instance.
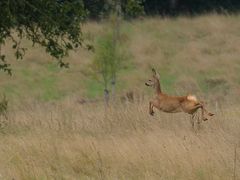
(210, 114)
(151, 113)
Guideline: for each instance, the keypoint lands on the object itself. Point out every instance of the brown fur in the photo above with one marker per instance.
(173, 104)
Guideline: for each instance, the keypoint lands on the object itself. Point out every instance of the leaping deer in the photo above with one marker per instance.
(173, 104)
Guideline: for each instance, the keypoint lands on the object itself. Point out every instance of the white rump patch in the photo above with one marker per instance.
(192, 98)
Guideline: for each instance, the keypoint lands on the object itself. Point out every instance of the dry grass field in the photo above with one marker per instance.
(49, 135)
(69, 141)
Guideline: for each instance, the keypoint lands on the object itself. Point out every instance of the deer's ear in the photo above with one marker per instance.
(154, 71)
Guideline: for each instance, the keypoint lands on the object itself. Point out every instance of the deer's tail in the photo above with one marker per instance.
(192, 98)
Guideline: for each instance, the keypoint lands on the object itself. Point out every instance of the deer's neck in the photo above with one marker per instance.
(158, 87)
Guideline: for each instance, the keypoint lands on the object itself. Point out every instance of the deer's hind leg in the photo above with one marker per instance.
(205, 110)
(193, 110)
(202, 113)
(208, 113)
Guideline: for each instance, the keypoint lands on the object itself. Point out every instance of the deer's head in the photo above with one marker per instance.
(154, 81)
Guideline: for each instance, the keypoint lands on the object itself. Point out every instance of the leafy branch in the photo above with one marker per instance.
(53, 24)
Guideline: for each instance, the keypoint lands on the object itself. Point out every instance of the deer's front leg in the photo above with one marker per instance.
(151, 112)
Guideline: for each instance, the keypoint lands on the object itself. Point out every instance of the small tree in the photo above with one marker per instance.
(109, 59)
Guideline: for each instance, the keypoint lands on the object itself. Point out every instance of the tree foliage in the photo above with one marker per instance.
(53, 24)
(134, 8)
(104, 8)
(95, 8)
(175, 7)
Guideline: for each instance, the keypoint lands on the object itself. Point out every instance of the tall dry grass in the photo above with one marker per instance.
(71, 141)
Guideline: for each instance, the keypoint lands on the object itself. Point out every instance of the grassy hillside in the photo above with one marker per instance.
(49, 135)
(193, 55)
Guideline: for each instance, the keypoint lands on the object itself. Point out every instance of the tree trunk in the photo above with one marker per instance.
(106, 97)
(113, 83)
(116, 34)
